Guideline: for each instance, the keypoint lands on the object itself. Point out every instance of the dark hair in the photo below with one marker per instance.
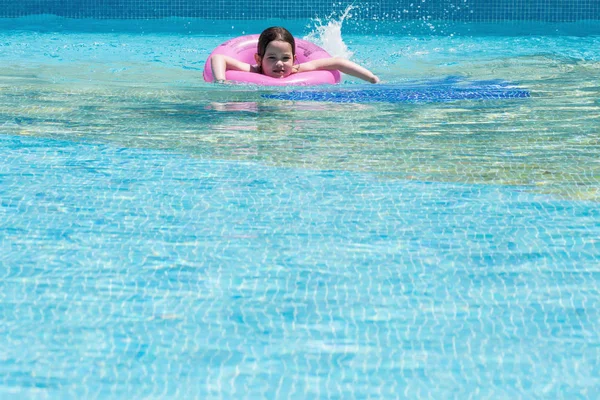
(275, 33)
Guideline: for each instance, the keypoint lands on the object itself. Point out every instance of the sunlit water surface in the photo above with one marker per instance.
(146, 90)
(163, 236)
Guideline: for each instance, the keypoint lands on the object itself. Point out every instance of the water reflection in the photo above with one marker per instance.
(547, 143)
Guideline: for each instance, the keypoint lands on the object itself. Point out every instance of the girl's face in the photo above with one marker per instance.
(278, 61)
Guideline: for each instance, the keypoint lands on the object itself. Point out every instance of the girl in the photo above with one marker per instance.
(276, 58)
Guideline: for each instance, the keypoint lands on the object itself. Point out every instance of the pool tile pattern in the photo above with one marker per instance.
(455, 10)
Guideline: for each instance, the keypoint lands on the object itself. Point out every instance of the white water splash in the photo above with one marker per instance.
(329, 35)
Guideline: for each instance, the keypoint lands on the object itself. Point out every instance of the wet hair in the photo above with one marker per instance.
(274, 33)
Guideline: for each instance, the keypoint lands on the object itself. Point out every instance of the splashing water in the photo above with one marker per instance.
(329, 36)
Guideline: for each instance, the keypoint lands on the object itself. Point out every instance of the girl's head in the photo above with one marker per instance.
(276, 52)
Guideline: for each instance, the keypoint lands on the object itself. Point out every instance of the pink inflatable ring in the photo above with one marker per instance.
(243, 48)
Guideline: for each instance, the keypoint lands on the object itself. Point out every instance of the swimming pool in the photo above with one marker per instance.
(161, 237)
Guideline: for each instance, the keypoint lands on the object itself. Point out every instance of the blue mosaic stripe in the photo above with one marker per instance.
(455, 10)
(434, 92)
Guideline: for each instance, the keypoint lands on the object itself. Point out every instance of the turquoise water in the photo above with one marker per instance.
(161, 237)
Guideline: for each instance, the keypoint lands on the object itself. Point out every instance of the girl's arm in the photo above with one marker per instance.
(221, 63)
(341, 64)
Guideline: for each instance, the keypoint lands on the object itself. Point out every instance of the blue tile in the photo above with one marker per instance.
(455, 10)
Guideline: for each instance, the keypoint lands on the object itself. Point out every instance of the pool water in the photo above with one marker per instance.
(162, 237)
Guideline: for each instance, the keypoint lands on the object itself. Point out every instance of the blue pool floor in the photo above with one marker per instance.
(142, 273)
(431, 91)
